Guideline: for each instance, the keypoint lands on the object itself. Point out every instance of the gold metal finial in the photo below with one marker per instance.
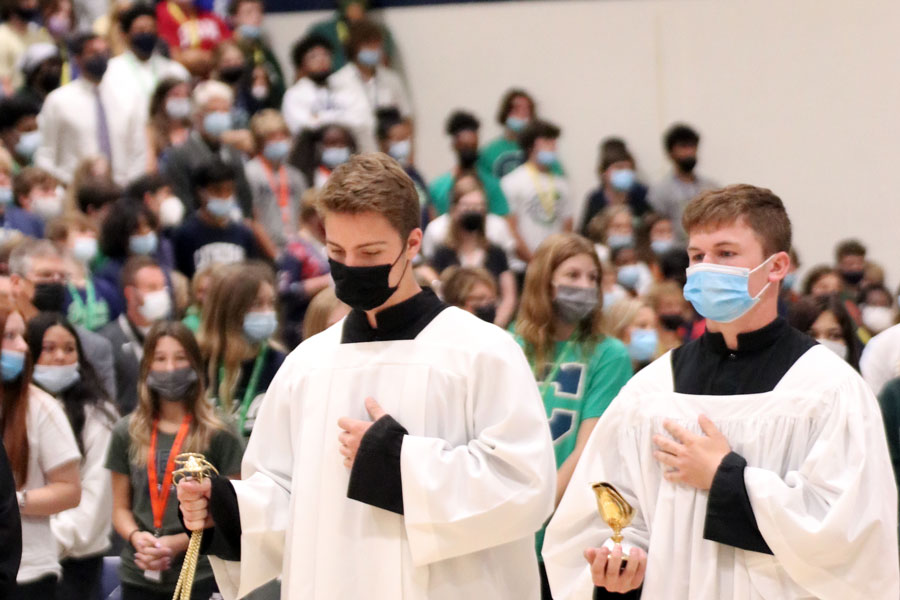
(614, 509)
(193, 466)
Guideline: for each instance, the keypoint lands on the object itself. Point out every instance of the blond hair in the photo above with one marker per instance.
(265, 123)
(318, 312)
(457, 283)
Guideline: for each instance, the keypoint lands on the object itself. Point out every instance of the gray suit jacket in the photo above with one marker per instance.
(98, 351)
(126, 352)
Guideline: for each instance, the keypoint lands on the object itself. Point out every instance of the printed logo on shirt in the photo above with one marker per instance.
(561, 422)
(568, 382)
(538, 212)
(223, 253)
(507, 162)
(206, 29)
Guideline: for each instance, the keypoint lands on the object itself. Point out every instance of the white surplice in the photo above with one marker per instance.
(818, 477)
(478, 472)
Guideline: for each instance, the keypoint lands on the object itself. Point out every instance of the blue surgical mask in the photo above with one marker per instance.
(332, 157)
(369, 57)
(178, 108)
(546, 157)
(610, 298)
(622, 179)
(276, 151)
(259, 326)
(719, 292)
(628, 276)
(85, 248)
(789, 281)
(11, 364)
(516, 124)
(143, 244)
(660, 247)
(56, 378)
(251, 32)
(619, 240)
(6, 195)
(399, 151)
(220, 207)
(28, 144)
(643, 345)
(217, 123)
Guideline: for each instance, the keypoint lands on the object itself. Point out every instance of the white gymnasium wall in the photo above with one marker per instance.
(802, 96)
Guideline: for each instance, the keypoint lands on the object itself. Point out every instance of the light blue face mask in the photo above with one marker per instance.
(719, 292)
(400, 151)
(6, 196)
(546, 157)
(56, 378)
(789, 281)
(622, 179)
(516, 124)
(643, 344)
(259, 326)
(28, 144)
(144, 245)
(220, 207)
(217, 123)
(332, 157)
(369, 57)
(660, 247)
(276, 151)
(628, 276)
(11, 364)
(251, 32)
(619, 240)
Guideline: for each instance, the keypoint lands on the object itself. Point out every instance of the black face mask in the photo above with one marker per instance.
(486, 312)
(671, 322)
(172, 385)
(231, 75)
(49, 297)
(472, 221)
(363, 288)
(319, 78)
(687, 164)
(95, 66)
(143, 44)
(852, 277)
(49, 79)
(467, 157)
(26, 14)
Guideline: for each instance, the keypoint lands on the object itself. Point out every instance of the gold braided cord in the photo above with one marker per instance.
(194, 466)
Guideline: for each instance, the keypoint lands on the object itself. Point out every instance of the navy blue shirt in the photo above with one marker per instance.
(199, 243)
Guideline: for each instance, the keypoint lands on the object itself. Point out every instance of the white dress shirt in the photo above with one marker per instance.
(69, 131)
(310, 106)
(135, 80)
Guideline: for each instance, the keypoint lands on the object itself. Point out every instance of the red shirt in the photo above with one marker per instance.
(203, 29)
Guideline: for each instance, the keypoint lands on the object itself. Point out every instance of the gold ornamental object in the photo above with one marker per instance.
(616, 512)
(196, 467)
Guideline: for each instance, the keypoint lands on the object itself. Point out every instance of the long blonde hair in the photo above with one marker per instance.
(221, 337)
(205, 423)
(536, 323)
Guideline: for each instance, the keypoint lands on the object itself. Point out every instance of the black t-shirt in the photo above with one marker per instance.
(494, 259)
(199, 243)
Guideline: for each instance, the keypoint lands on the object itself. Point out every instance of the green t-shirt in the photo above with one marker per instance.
(191, 319)
(225, 452)
(502, 156)
(583, 386)
(441, 188)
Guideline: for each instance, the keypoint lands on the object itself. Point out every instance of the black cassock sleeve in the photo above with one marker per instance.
(10, 528)
(729, 514)
(223, 540)
(375, 477)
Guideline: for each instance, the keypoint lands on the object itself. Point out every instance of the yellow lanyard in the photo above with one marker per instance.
(193, 30)
(547, 196)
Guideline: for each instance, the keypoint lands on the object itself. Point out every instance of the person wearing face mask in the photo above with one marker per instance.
(172, 417)
(850, 259)
(631, 273)
(673, 312)
(147, 300)
(636, 324)
(18, 31)
(466, 244)
(44, 457)
(276, 185)
(137, 71)
(539, 200)
(826, 320)
(877, 309)
(12, 216)
(246, 20)
(472, 289)
(318, 152)
(236, 341)
(578, 369)
(395, 140)
(87, 118)
(36, 193)
(368, 85)
(212, 103)
(618, 183)
(336, 31)
(18, 130)
(154, 191)
(730, 446)
(311, 101)
(83, 532)
(38, 278)
(42, 69)
(611, 229)
(214, 233)
(169, 124)
(462, 127)
(486, 434)
(670, 195)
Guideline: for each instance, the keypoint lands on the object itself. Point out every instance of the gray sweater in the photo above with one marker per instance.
(265, 199)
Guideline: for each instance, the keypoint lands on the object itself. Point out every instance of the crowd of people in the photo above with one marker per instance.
(164, 250)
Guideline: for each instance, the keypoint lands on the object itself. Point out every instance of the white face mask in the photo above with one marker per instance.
(157, 305)
(171, 212)
(839, 348)
(877, 318)
(47, 207)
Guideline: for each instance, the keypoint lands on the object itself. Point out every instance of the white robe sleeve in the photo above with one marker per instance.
(832, 523)
(263, 494)
(577, 525)
(496, 489)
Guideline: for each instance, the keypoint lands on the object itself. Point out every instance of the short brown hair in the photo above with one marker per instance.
(361, 33)
(373, 182)
(30, 178)
(761, 209)
(457, 283)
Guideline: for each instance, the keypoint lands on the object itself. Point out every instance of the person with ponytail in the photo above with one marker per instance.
(238, 321)
(62, 370)
(578, 368)
(172, 417)
(44, 458)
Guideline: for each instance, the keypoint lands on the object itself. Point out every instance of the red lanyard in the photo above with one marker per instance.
(159, 497)
(283, 193)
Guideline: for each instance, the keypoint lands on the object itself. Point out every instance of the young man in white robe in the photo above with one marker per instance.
(755, 459)
(401, 454)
